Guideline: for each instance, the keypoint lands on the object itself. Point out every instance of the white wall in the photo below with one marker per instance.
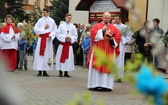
(159, 9)
(77, 16)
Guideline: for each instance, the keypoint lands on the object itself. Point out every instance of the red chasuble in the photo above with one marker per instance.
(103, 45)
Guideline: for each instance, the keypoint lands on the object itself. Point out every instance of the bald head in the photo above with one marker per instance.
(106, 17)
(106, 14)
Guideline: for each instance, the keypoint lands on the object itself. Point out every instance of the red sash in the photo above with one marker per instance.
(6, 28)
(65, 51)
(43, 43)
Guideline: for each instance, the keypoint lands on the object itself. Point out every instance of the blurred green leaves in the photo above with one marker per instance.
(28, 29)
(133, 66)
(84, 99)
(102, 59)
(164, 38)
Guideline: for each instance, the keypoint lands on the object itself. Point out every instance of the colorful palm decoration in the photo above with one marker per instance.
(28, 29)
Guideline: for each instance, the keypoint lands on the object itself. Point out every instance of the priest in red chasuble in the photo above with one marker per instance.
(106, 37)
(9, 36)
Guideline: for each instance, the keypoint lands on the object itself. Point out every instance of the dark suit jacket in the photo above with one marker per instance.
(140, 41)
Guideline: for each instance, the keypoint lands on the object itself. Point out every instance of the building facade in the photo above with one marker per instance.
(158, 9)
(30, 3)
(78, 16)
(144, 9)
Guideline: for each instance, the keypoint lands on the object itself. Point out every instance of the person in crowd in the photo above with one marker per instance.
(74, 45)
(67, 35)
(113, 21)
(143, 37)
(86, 47)
(166, 52)
(126, 37)
(22, 33)
(159, 32)
(129, 49)
(79, 53)
(9, 36)
(46, 29)
(87, 29)
(107, 38)
(34, 45)
(23, 53)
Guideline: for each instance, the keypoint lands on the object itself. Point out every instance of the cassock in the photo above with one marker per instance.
(9, 46)
(65, 63)
(126, 37)
(100, 76)
(44, 49)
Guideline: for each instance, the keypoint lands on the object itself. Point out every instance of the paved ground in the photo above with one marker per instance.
(54, 90)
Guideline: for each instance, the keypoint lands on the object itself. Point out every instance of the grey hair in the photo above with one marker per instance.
(20, 25)
(88, 25)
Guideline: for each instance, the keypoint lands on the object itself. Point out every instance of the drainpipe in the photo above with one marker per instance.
(147, 2)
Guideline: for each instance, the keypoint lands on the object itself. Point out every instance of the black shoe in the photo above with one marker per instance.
(38, 74)
(60, 73)
(94, 89)
(46, 75)
(108, 90)
(20, 68)
(76, 64)
(66, 74)
(26, 68)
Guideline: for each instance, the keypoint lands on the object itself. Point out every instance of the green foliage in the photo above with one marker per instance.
(164, 38)
(134, 66)
(36, 13)
(58, 10)
(2, 10)
(78, 51)
(15, 8)
(15, 21)
(165, 98)
(1, 25)
(126, 30)
(28, 30)
(100, 102)
(130, 77)
(103, 60)
(84, 99)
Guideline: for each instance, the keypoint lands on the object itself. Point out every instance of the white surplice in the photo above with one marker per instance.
(98, 79)
(6, 40)
(41, 62)
(126, 37)
(66, 29)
